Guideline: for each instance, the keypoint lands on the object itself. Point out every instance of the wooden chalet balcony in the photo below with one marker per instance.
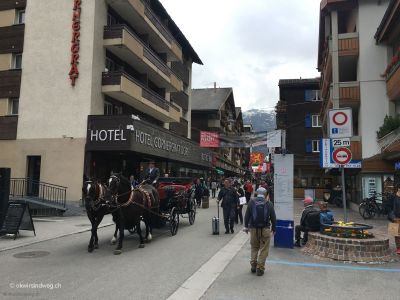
(124, 43)
(349, 94)
(8, 127)
(348, 44)
(125, 88)
(393, 83)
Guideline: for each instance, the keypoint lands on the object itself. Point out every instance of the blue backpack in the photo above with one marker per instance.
(259, 213)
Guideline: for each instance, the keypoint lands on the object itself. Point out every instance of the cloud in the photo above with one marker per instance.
(249, 45)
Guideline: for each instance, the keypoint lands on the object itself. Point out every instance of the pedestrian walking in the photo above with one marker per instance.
(239, 208)
(248, 188)
(198, 191)
(213, 188)
(260, 220)
(229, 201)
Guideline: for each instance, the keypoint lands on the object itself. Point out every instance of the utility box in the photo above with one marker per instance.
(284, 234)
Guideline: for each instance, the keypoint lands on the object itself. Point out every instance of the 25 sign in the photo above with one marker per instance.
(339, 143)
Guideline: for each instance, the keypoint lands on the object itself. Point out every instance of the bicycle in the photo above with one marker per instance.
(369, 207)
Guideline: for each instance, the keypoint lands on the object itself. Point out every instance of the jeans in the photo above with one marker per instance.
(213, 193)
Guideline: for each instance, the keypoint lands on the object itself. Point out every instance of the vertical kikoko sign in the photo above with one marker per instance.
(76, 27)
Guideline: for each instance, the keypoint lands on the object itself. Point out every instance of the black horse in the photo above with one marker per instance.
(133, 205)
(94, 195)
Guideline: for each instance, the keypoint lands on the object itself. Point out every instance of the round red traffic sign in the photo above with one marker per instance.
(341, 156)
(339, 118)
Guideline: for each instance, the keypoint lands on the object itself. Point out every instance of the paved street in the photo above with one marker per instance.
(192, 259)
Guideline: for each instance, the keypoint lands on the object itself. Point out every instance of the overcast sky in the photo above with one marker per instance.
(249, 44)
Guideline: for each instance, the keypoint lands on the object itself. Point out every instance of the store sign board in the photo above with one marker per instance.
(123, 133)
(75, 42)
(209, 139)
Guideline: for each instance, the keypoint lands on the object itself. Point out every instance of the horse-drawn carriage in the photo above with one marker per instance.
(174, 197)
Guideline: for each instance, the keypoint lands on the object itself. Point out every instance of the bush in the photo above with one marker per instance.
(389, 124)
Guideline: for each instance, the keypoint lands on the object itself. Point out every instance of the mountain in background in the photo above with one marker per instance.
(261, 119)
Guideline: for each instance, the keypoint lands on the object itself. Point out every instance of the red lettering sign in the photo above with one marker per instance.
(76, 27)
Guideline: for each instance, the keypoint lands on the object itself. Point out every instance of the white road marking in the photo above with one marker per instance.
(197, 284)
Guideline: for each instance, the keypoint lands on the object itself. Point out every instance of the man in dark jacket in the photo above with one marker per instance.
(306, 222)
(230, 201)
(260, 234)
(152, 173)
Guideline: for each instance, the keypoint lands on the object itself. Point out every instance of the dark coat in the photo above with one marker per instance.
(153, 175)
(229, 197)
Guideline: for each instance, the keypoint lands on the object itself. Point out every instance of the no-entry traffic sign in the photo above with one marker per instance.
(341, 156)
(340, 123)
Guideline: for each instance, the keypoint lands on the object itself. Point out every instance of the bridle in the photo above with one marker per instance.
(99, 192)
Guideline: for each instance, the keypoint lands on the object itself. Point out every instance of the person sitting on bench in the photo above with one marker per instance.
(310, 221)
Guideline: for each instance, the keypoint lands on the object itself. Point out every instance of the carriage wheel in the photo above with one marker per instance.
(192, 212)
(174, 221)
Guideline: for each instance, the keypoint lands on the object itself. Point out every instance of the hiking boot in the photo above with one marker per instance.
(253, 268)
(226, 232)
(303, 242)
(297, 243)
(260, 272)
(232, 231)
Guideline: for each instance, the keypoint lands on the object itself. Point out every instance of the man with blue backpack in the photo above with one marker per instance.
(260, 220)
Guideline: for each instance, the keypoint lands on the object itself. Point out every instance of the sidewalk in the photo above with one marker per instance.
(48, 228)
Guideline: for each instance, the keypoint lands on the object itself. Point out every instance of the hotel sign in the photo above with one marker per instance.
(122, 133)
(76, 27)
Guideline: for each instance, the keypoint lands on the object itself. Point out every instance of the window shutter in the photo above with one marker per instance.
(308, 146)
(308, 121)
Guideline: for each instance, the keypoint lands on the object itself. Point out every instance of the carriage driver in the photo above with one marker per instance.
(152, 173)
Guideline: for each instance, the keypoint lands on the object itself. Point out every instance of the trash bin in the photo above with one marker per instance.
(205, 202)
(284, 234)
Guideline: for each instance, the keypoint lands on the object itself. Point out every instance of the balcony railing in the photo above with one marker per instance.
(155, 60)
(349, 93)
(114, 78)
(389, 139)
(182, 72)
(158, 24)
(10, 83)
(116, 31)
(8, 127)
(182, 99)
(348, 44)
(12, 39)
(393, 82)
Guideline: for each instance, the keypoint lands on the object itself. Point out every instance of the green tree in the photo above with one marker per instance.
(389, 124)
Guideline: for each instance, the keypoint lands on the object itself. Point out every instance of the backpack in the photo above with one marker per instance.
(259, 213)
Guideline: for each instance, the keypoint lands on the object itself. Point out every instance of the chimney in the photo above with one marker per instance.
(215, 86)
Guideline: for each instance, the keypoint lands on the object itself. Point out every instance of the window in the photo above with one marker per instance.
(17, 61)
(20, 17)
(108, 108)
(312, 95)
(117, 110)
(316, 121)
(315, 145)
(13, 106)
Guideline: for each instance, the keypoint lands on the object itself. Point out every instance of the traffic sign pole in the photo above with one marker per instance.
(344, 195)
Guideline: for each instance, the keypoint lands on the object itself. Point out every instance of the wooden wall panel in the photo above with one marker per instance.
(348, 46)
(8, 127)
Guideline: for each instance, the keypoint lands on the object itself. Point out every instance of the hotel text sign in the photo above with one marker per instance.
(76, 27)
(125, 134)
